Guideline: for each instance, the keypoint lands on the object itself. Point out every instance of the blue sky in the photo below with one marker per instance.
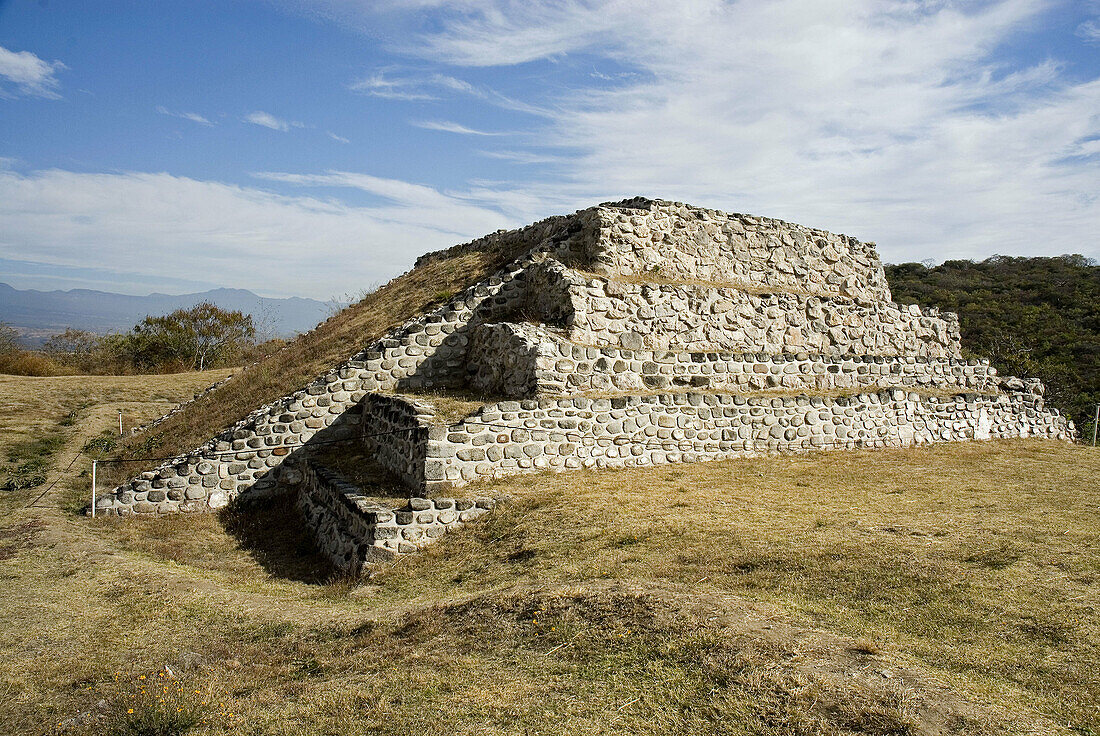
(316, 147)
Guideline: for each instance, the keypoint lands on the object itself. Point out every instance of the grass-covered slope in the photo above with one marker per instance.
(313, 353)
(936, 590)
(1033, 317)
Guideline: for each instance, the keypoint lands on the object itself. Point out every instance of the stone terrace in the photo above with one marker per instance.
(634, 333)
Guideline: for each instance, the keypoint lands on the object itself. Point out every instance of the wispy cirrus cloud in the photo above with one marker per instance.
(446, 126)
(412, 87)
(267, 120)
(461, 214)
(337, 138)
(1090, 30)
(29, 74)
(194, 117)
(523, 157)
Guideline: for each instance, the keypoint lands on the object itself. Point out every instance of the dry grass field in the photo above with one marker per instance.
(950, 589)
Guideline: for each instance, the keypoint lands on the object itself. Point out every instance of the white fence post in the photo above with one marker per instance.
(1095, 419)
(93, 488)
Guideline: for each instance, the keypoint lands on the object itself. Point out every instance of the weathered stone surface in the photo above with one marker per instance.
(352, 532)
(679, 317)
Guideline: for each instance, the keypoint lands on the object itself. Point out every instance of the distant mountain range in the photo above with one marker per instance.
(36, 315)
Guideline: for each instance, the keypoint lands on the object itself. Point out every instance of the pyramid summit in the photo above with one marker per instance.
(631, 333)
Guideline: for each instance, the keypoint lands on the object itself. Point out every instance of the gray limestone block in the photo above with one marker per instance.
(385, 532)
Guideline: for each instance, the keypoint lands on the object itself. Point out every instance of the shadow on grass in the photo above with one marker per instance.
(274, 534)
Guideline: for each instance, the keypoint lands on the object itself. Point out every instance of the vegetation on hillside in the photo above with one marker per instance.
(315, 352)
(1032, 317)
(195, 339)
(944, 589)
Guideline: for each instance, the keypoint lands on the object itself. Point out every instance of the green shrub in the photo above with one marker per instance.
(101, 445)
(29, 461)
(1032, 317)
(24, 475)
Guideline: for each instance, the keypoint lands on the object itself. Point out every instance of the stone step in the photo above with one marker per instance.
(524, 360)
(352, 531)
(698, 317)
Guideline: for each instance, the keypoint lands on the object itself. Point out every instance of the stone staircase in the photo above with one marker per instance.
(354, 531)
(636, 333)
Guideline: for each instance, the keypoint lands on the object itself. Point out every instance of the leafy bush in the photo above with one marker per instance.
(24, 475)
(1032, 317)
(76, 348)
(101, 445)
(28, 363)
(204, 336)
(201, 337)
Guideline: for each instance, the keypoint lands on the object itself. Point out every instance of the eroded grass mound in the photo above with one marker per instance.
(311, 354)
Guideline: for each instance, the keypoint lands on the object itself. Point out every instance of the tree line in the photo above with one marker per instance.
(1032, 317)
(195, 339)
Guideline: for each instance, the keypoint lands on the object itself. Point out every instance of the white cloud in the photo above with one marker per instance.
(1088, 148)
(30, 74)
(523, 157)
(904, 123)
(465, 215)
(267, 120)
(412, 88)
(337, 138)
(162, 226)
(192, 116)
(1090, 31)
(449, 127)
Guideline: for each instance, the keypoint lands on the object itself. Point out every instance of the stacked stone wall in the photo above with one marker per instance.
(395, 432)
(426, 352)
(505, 359)
(552, 434)
(824, 310)
(353, 531)
(518, 360)
(341, 520)
(675, 241)
(693, 317)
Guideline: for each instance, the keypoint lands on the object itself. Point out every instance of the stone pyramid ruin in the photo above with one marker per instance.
(636, 333)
